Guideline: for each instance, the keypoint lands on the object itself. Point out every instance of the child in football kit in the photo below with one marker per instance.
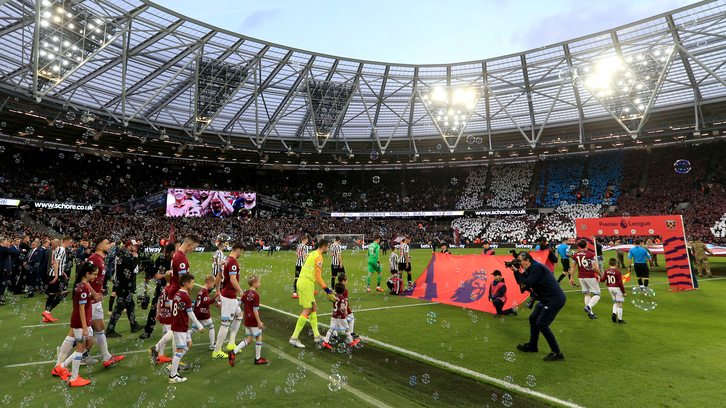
(343, 278)
(338, 320)
(201, 308)
(253, 324)
(613, 278)
(498, 295)
(81, 319)
(163, 316)
(181, 313)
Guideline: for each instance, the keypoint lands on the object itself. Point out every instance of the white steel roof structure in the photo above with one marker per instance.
(147, 72)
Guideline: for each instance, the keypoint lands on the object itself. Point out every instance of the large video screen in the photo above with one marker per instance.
(208, 203)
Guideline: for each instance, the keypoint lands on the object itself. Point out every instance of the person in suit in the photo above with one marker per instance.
(6, 265)
(33, 264)
(17, 263)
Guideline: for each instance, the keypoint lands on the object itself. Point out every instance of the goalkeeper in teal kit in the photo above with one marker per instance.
(373, 264)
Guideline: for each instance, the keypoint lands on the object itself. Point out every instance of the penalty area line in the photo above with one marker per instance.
(451, 367)
(360, 394)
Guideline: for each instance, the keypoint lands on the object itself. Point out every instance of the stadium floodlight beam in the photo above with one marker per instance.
(66, 36)
(450, 109)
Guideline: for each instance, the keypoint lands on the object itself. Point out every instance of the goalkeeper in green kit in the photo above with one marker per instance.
(373, 264)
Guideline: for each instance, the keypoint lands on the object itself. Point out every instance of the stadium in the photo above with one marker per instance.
(127, 127)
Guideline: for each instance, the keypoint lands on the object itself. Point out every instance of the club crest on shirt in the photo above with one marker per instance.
(671, 224)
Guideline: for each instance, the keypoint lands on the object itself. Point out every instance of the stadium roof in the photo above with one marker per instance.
(150, 74)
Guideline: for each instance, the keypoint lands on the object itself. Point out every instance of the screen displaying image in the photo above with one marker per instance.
(208, 203)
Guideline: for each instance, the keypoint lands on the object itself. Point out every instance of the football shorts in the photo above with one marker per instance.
(565, 264)
(616, 294)
(78, 334)
(641, 270)
(97, 311)
(252, 331)
(340, 325)
(230, 308)
(590, 285)
(181, 339)
(374, 267)
(306, 292)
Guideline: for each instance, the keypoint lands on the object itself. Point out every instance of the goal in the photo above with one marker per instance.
(347, 241)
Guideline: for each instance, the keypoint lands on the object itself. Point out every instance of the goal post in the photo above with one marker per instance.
(347, 241)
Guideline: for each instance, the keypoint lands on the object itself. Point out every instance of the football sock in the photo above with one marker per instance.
(594, 301)
(314, 323)
(56, 301)
(221, 337)
(111, 299)
(49, 303)
(351, 323)
(236, 323)
(587, 299)
(332, 282)
(175, 362)
(327, 335)
(102, 345)
(76, 364)
(409, 277)
(294, 285)
(161, 345)
(348, 337)
(645, 282)
(640, 282)
(368, 282)
(379, 280)
(560, 278)
(615, 308)
(620, 313)
(66, 348)
(210, 330)
(258, 350)
(242, 344)
(299, 325)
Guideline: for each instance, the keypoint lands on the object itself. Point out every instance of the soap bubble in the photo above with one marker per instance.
(425, 379)
(531, 380)
(585, 182)
(431, 317)
(30, 130)
(568, 74)
(436, 395)
(374, 155)
(345, 182)
(223, 237)
(412, 380)
(438, 146)
(494, 397)
(320, 185)
(454, 181)
(509, 356)
(507, 400)
(70, 116)
(334, 382)
(682, 166)
(470, 139)
(376, 179)
(479, 140)
(643, 298)
(406, 200)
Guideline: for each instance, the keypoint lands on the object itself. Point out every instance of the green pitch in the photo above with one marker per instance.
(671, 356)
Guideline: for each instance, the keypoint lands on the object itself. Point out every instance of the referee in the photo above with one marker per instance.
(639, 256)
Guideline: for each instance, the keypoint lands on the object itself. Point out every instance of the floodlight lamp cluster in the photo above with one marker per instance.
(328, 101)
(216, 84)
(68, 34)
(450, 109)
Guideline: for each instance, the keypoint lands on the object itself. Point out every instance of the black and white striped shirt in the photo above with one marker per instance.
(393, 261)
(334, 255)
(404, 252)
(302, 253)
(59, 257)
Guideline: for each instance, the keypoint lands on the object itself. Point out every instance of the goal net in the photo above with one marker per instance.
(347, 241)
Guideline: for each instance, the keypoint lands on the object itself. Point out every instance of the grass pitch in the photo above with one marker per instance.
(668, 357)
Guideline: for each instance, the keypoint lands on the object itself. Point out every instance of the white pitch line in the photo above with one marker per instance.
(146, 350)
(360, 394)
(59, 324)
(385, 308)
(650, 284)
(453, 367)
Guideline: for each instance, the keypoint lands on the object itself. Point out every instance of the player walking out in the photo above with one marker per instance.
(253, 324)
(180, 263)
(80, 325)
(343, 278)
(373, 264)
(588, 274)
(338, 321)
(614, 281)
(162, 264)
(218, 259)
(227, 291)
(700, 250)
(310, 274)
(57, 278)
(639, 256)
(302, 253)
(201, 307)
(181, 312)
(336, 261)
(404, 259)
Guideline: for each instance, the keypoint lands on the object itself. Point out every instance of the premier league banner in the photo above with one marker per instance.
(209, 203)
(465, 280)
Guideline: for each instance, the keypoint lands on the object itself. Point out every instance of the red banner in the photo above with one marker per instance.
(464, 280)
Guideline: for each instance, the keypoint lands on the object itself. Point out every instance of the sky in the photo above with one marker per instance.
(423, 31)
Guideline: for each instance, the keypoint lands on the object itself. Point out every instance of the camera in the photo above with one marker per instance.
(516, 263)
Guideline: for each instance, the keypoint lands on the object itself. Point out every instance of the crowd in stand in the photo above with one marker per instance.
(474, 190)
(510, 184)
(560, 180)
(604, 178)
(560, 224)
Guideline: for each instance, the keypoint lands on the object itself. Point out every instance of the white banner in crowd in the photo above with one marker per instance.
(398, 214)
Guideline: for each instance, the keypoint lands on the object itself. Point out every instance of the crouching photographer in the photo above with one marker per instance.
(541, 283)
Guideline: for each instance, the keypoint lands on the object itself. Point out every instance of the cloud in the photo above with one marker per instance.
(259, 17)
(578, 20)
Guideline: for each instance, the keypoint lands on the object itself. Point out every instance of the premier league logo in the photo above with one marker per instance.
(623, 224)
(473, 289)
(671, 224)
